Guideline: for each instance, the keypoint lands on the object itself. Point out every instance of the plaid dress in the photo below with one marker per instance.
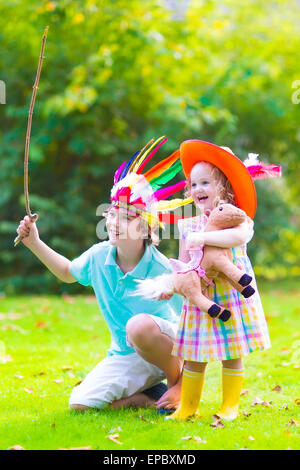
(201, 338)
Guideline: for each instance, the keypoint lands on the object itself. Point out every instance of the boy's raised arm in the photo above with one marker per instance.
(56, 263)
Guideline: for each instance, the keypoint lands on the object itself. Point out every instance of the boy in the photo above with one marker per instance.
(142, 330)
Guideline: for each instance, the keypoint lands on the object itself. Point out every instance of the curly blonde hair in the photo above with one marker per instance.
(223, 186)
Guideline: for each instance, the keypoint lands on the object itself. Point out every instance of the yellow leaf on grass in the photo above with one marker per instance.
(114, 438)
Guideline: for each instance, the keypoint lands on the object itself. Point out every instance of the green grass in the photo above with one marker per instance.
(50, 343)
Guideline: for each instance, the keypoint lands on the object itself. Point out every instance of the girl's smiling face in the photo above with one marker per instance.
(203, 186)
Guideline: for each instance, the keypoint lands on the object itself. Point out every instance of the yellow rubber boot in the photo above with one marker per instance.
(191, 390)
(232, 380)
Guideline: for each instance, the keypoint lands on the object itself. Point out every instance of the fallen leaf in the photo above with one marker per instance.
(114, 438)
(12, 327)
(77, 383)
(217, 423)
(258, 401)
(64, 368)
(292, 422)
(16, 376)
(187, 438)
(16, 447)
(297, 401)
(277, 388)
(28, 390)
(40, 324)
(146, 420)
(199, 440)
(247, 414)
(53, 425)
(244, 392)
(251, 438)
(283, 407)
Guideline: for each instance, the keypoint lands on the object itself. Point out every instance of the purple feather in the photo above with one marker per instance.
(118, 172)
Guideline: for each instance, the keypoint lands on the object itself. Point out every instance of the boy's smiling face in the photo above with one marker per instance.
(122, 226)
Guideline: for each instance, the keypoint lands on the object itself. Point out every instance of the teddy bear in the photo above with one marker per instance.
(212, 262)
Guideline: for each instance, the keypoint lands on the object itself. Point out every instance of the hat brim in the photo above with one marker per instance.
(195, 151)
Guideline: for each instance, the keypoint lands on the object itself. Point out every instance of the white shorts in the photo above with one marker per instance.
(120, 376)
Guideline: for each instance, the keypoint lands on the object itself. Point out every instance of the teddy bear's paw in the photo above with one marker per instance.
(245, 280)
(248, 291)
(225, 315)
(214, 310)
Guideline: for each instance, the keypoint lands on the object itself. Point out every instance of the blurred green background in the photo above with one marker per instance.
(118, 73)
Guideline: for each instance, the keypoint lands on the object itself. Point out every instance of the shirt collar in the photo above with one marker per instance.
(141, 269)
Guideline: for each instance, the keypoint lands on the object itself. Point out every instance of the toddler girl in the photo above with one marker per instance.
(215, 173)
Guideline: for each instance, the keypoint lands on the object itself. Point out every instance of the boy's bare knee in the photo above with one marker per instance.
(140, 330)
(79, 407)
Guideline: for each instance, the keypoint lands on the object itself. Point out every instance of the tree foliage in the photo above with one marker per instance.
(117, 73)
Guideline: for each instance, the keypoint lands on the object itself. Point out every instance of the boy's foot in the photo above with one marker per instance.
(144, 399)
(157, 391)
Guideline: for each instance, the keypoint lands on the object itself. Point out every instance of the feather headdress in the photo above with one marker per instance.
(260, 170)
(143, 193)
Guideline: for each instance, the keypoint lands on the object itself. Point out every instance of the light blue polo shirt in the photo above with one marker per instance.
(97, 267)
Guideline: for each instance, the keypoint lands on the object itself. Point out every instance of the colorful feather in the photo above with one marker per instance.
(144, 155)
(263, 171)
(139, 154)
(162, 166)
(169, 218)
(166, 176)
(173, 204)
(146, 160)
(260, 170)
(163, 193)
(118, 172)
(125, 170)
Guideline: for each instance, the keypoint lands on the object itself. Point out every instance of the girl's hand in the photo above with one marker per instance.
(195, 239)
(28, 231)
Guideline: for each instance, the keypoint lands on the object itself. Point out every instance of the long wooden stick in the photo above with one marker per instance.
(33, 217)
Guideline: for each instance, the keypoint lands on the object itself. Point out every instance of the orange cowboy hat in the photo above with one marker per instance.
(195, 151)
